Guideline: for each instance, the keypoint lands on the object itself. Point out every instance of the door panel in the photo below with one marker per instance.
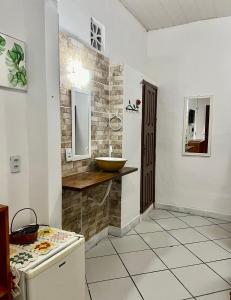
(148, 160)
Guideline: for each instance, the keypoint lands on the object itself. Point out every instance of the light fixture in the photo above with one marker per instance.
(79, 76)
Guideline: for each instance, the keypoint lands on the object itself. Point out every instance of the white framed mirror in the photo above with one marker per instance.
(197, 125)
(81, 124)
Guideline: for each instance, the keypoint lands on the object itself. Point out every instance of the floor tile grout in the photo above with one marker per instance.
(136, 251)
(207, 266)
(192, 215)
(195, 228)
(168, 268)
(221, 246)
(127, 271)
(209, 239)
(110, 279)
(87, 258)
(196, 256)
(155, 221)
(211, 293)
(89, 292)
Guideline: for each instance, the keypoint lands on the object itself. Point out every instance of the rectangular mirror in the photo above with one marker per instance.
(81, 124)
(197, 126)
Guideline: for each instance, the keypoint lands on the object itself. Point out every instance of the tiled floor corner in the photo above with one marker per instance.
(169, 255)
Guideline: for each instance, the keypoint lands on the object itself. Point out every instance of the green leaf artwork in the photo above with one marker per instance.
(2, 45)
(17, 73)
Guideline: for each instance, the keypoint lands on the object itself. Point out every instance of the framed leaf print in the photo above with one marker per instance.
(13, 72)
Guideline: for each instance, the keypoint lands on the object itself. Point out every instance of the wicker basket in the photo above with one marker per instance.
(27, 234)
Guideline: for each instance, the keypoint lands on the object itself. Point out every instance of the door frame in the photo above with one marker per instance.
(146, 83)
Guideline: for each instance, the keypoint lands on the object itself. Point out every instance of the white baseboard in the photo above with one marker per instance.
(96, 238)
(144, 215)
(112, 230)
(122, 231)
(193, 211)
(116, 231)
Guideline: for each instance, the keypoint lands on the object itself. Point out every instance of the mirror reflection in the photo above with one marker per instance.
(197, 126)
(81, 124)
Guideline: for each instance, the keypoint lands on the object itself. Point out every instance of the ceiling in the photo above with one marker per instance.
(156, 14)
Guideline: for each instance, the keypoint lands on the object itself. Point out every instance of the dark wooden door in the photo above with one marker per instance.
(148, 146)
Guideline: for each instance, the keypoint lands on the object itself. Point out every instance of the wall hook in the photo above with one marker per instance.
(133, 107)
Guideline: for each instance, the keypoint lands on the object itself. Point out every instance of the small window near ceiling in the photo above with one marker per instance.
(97, 35)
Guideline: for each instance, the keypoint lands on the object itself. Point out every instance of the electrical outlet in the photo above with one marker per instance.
(69, 156)
(15, 164)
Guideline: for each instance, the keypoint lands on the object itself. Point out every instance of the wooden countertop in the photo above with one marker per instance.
(86, 180)
(195, 141)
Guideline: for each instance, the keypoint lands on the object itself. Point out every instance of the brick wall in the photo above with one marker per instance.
(79, 213)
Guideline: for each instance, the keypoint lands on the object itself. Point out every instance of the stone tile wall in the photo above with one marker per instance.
(80, 214)
(115, 137)
(72, 51)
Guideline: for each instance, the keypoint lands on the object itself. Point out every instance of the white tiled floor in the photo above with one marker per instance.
(118, 289)
(188, 235)
(200, 280)
(102, 249)
(147, 226)
(177, 256)
(214, 232)
(178, 214)
(160, 285)
(171, 256)
(216, 296)
(131, 232)
(208, 251)
(223, 268)
(104, 268)
(195, 221)
(145, 261)
(171, 223)
(159, 239)
(216, 221)
(224, 243)
(226, 226)
(160, 214)
(129, 244)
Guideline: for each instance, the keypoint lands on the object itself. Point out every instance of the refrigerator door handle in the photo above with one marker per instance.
(62, 264)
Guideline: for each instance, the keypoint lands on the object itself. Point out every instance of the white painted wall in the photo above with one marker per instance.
(125, 37)
(53, 113)
(131, 145)
(14, 188)
(192, 60)
(29, 124)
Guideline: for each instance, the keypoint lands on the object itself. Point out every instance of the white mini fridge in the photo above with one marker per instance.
(60, 276)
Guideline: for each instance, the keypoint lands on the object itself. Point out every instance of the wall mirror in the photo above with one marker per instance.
(197, 125)
(81, 124)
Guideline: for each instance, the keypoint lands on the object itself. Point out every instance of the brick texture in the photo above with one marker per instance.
(79, 213)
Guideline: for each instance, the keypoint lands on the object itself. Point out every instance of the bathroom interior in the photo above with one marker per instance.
(115, 157)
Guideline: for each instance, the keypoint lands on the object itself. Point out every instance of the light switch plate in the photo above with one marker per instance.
(15, 164)
(69, 156)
